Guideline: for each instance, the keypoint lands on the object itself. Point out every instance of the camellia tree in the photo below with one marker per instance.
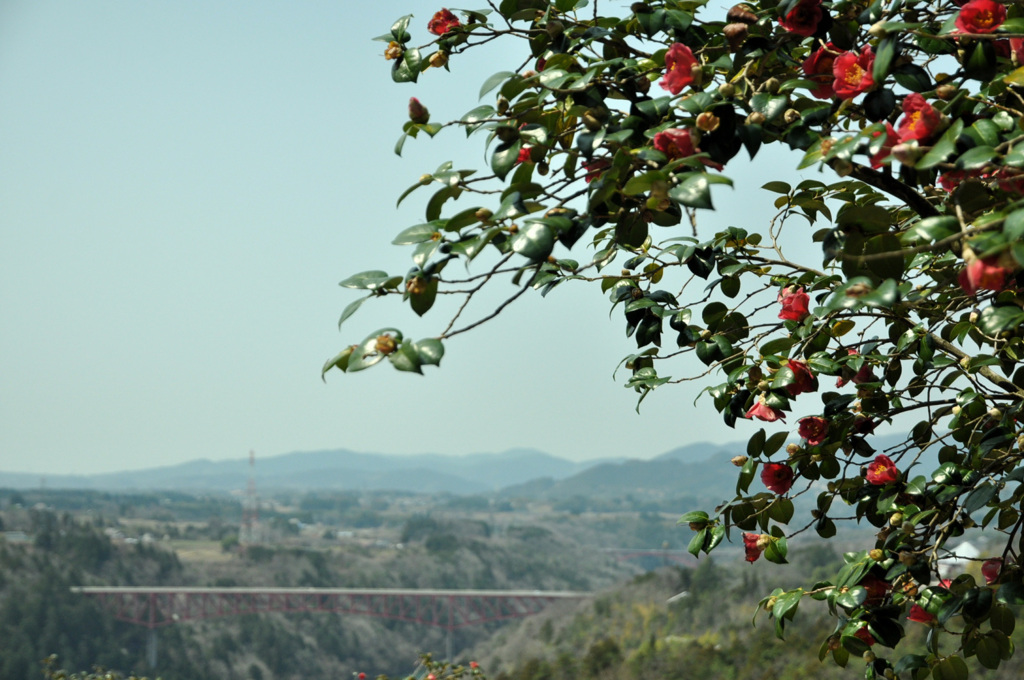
(612, 134)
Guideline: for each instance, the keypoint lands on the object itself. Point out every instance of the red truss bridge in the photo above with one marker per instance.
(448, 609)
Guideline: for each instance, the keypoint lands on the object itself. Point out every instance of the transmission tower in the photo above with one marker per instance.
(249, 534)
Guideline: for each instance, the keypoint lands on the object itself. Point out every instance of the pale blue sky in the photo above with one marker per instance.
(182, 186)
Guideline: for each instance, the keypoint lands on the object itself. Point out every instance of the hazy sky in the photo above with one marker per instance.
(182, 186)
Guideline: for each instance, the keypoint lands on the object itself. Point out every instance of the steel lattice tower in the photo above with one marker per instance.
(249, 533)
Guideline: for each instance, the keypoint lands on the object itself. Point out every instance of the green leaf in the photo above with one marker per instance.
(978, 157)
(694, 516)
(778, 187)
(399, 29)
(697, 542)
(422, 302)
(756, 443)
(415, 234)
(535, 241)
(495, 80)
(351, 309)
(407, 69)
(912, 77)
(776, 550)
(695, 190)
(775, 442)
(884, 53)
(504, 158)
(368, 280)
(943, 148)
(994, 320)
(430, 351)
(339, 360)
(405, 358)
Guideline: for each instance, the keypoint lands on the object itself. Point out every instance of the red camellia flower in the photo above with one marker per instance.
(679, 63)
(818, 67)
(794, 303)
(524, 155)
(891, 139)
(980, 16)
(753, 545)
(442, 22)
(920, 119)
(852, 73)
(474, 664)
(983, 274)
(595, 168)
(763, 411)
(917, 613)
(678, 143)
(804, 18)
(882, 471)
(362, 676)
(864, 375)
(803, 379)
(778, 477)
(814, 429)
(864, 636)
(876, 587)
(990, 570)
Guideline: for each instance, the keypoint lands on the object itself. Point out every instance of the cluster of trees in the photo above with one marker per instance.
(614, 131)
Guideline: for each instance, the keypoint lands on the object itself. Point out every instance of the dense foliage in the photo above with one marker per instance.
(615, 132)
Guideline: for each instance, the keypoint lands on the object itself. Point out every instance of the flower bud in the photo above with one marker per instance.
(697, 73)
(502, 107)
(727, 90)
(793, 449)
(739, 461)
(385, 344)
(394, 51)
(876, 554)
(484, 215)
(771, 85)
(735, 34)
(965, 363)
(895, 518)
(707, 121)
(591, 121)
(842, 167)
(756, 118)
(907, 153)
(642, 84)
(956, 409)
(995, 413)
(946, 91)
(438, 59)
(418, 112)
(741, 13)
(770, 604)
(907, 559)
(543, 168)
(415, 286)
(877, 30)
(868, 656)
(973, 317)
(791, 116)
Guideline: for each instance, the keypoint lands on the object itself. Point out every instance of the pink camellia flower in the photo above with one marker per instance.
(679, 65)
(763, 411)
(442, 22)
(418, 113)
(920, 120)
(753, 545)
(946, 583)
(803, 379)
(804, 18)
(678, 143)
(891, 139)
(814, 429)
(794, 303)
(864, 636)
(852, 73)
(882, 471)
(918, 614)
(983, 274)
(778, 477)
(818, 67)
(980, 16)
(990, 569)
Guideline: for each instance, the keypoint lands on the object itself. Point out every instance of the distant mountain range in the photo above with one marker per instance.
(696, 469)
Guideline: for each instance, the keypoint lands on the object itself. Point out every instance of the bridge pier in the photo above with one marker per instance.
(151, 647)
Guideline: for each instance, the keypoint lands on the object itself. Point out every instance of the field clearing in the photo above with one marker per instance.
(200, 551)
